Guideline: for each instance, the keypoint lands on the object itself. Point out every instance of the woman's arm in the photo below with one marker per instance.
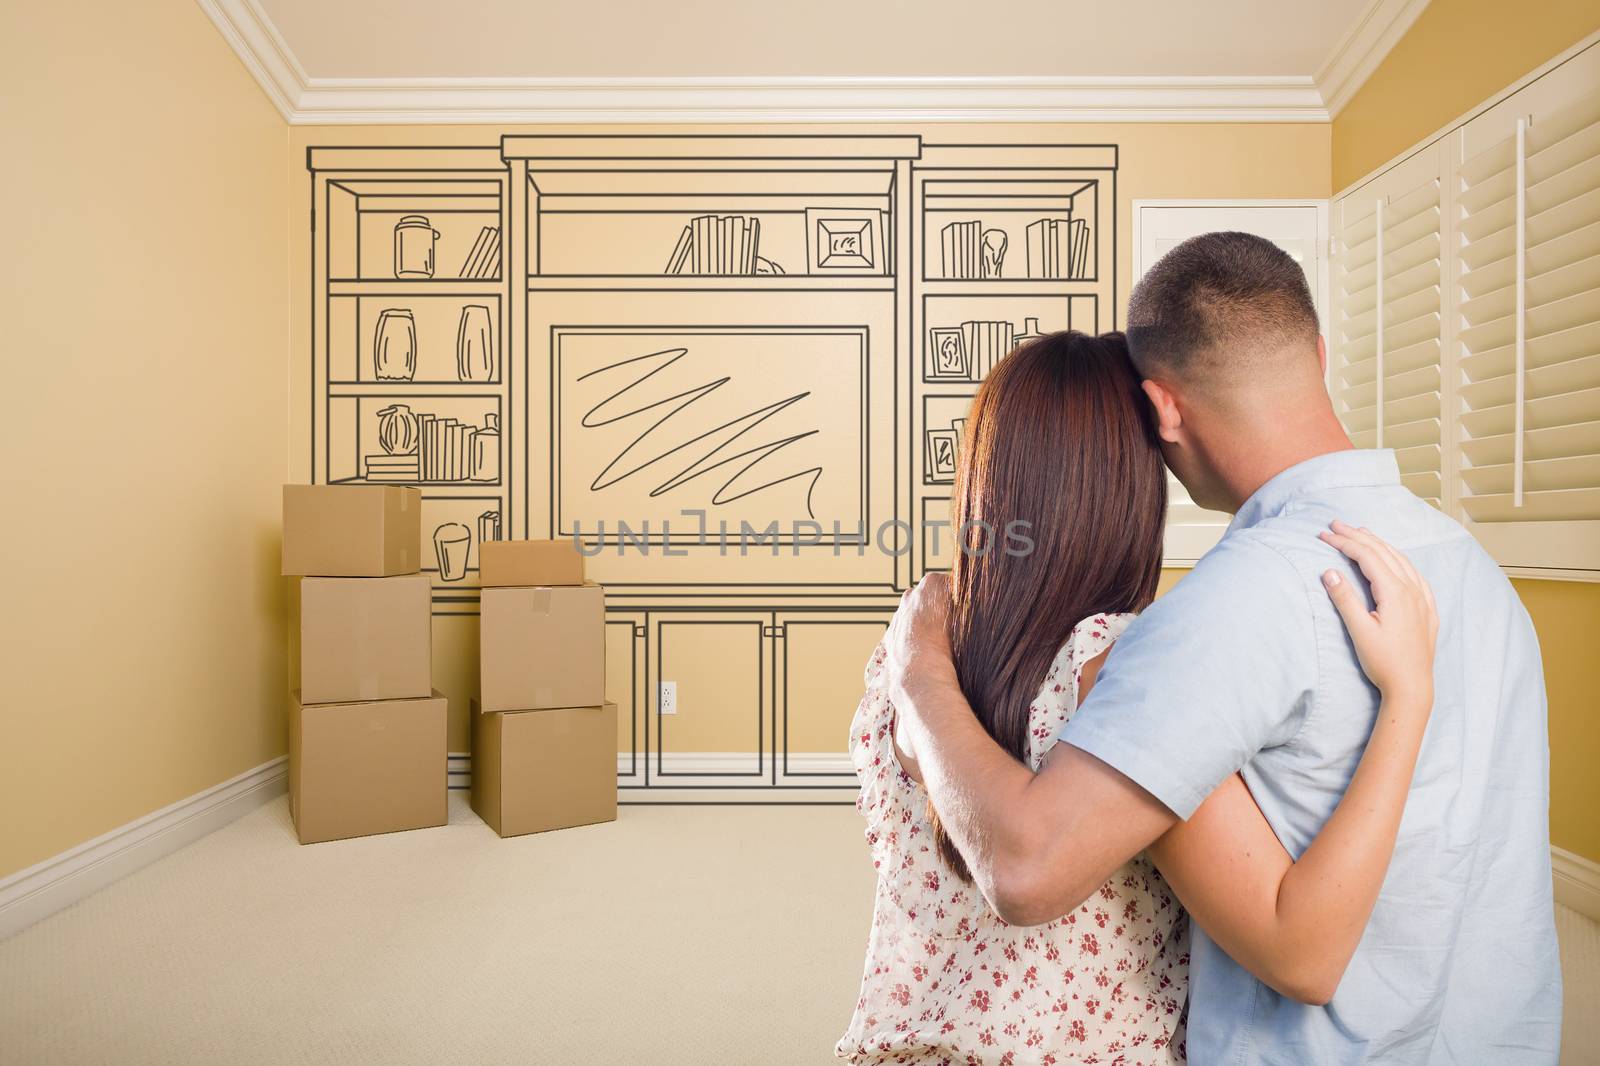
(1295, 925)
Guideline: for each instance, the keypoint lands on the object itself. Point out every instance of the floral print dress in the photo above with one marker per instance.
(947, 981)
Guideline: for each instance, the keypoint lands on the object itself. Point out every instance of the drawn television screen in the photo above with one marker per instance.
(749, 424)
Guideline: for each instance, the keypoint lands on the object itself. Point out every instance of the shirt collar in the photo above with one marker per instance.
(1334, 470)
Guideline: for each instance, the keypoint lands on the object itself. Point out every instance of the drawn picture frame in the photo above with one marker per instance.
(948, 357)
(942, 446)
(845, 240)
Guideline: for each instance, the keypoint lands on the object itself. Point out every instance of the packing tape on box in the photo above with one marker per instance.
(540, 601)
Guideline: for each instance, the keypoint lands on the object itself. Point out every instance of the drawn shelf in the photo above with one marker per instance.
(711, 218)
(405, 229)
(707, 283)
(1006, 231)
(457, 287)
(965, 335)
(394, 338)
(410, 333)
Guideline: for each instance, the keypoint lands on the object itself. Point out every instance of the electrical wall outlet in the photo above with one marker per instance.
(669, 697)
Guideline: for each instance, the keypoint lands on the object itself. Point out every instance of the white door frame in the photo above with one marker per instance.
(1323, 291)
(1187, 541)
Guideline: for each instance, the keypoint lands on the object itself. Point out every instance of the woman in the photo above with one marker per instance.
(1060, 451)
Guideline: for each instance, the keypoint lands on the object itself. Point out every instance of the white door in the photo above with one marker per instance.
(1299, 227)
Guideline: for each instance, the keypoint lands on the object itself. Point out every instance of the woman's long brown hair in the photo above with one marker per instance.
(1060, 449)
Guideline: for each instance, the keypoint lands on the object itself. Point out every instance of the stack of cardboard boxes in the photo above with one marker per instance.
(544, 741)
(366, 728)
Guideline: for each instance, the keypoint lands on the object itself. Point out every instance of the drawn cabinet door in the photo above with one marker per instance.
(625, 685)
(821, 659)
(720, 662)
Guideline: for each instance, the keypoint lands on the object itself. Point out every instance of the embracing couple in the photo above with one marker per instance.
(1292, 812)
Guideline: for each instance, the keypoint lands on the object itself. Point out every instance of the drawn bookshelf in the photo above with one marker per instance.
(737, 326)
(1014, 241)
(409, 334)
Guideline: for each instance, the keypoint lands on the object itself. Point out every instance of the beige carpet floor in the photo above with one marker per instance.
(676, 935)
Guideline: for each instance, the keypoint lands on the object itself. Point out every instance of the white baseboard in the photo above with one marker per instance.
(1577, 882)
(44, 888)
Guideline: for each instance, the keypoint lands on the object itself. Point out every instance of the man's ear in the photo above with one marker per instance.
(1169, 420)
(1322, 354)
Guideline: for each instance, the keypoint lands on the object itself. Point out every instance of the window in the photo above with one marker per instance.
(1467, 320)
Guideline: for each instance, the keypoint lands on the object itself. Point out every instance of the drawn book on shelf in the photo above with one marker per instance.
(717, 244)
(959, 250)
(484, 259)
(446, 450)
(1058, 248)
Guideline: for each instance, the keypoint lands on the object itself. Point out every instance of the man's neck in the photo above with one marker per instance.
(1256, 462)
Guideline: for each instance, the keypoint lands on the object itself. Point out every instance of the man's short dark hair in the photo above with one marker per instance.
(1220, 307)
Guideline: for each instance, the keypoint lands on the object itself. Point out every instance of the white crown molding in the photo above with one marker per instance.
(304, 100)
(339, 101)
(263, 51)
(1577, 882)
(44, 888)
(1360, 51)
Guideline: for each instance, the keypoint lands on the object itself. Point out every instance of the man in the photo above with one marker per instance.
(1245, 666)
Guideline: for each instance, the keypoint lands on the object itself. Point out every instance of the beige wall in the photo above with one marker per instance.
(1458, 54)
(155, 297)
(144, 436)
(1567, 616)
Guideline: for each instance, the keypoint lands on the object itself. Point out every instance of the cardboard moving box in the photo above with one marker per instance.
(365, 638)
(361, 768)
(542, 647)
(529, 562)
(351, 530)
(534, 771)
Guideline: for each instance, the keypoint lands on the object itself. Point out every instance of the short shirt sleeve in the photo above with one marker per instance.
(1216, 670)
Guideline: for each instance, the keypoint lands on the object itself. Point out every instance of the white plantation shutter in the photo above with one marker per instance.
(1386, 376)
(1528, 353)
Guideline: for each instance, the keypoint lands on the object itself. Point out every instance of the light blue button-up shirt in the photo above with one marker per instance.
(1245, 665)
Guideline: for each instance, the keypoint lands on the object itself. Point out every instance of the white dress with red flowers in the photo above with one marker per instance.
(947, 981)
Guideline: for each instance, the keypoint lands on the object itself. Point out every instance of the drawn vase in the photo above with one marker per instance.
(486, 450)
(452, 544)
(397, 430)
(414, 238)
(394, 346)
(475, 345)
(994, 251)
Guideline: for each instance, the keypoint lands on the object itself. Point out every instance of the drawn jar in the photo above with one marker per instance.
(394, 346)
(486, 450)
(397, 430)
(414, 238)
(475, 345)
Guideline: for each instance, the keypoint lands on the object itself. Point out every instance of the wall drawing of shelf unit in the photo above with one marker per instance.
(683, 338)
(1016, 241)
(410, 384)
